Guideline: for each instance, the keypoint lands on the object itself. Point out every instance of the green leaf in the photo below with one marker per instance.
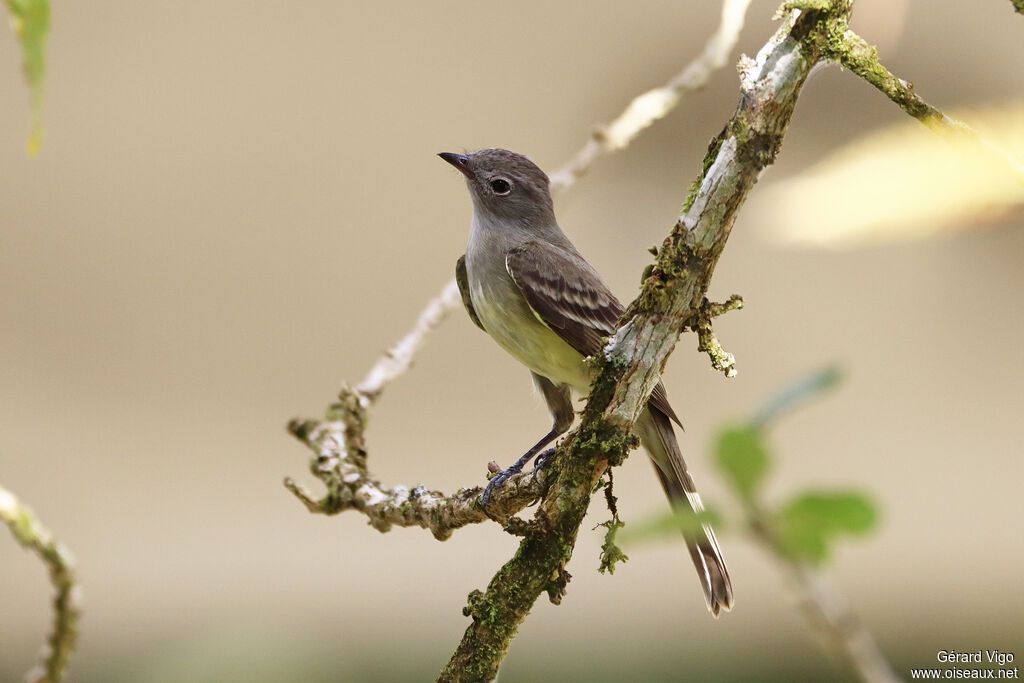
(30, 20)
(807, 526)
(742, 454)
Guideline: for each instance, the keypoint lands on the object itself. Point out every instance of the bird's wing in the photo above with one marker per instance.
(462, 280)
(568, 295)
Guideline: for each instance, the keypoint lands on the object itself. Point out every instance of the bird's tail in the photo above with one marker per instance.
(658, 438)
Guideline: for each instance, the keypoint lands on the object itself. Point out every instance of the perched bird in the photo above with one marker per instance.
(523, 283)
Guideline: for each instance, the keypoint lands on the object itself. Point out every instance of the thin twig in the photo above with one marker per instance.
(399, 357)
(654, 104)
(31, 533)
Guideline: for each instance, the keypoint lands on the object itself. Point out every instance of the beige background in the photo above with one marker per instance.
(231, 195)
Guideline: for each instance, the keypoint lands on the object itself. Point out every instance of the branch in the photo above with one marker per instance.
(340, 462)
(1018, 6)
(670, 301)
(31, 533)
(846, 47)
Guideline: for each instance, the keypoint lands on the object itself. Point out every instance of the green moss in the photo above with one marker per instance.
(472, 603)
(556, 587)
(692, 196)
(648, 270)
(739, 128)
(805, 6)
(300, 429)
(709, 158)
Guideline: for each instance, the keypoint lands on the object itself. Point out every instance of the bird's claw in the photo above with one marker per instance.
(496, 482)
(499, 479)
(541, 462)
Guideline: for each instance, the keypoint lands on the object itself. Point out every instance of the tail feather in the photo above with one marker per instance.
(656, 435)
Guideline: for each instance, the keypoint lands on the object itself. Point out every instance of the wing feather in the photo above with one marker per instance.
(568, 295)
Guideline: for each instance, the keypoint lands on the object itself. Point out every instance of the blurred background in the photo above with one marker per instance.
(237, 206)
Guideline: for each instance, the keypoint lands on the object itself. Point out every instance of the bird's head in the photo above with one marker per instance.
(505, 185)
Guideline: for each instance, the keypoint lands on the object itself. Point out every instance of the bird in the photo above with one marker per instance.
(524, 283)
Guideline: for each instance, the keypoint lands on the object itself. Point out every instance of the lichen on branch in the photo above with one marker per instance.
(707, 342)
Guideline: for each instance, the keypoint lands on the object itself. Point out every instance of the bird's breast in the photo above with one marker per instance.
(511, 322)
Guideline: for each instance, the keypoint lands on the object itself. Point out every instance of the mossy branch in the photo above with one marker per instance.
(32, 534)
(841, 44)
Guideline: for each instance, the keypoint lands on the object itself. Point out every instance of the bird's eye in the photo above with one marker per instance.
(501, 186)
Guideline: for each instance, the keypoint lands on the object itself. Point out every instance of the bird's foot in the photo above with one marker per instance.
(497, 481)
(541, 462)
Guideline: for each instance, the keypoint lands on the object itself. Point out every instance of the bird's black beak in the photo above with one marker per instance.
(459, 161)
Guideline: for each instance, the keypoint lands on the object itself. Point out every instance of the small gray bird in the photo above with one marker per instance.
(524, 283)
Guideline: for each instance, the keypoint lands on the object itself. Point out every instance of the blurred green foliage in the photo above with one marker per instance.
(804, 527)
(809, 523)
(30, 20)
(742, 455)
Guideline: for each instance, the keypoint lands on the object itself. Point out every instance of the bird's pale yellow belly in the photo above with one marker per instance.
(527, 339)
